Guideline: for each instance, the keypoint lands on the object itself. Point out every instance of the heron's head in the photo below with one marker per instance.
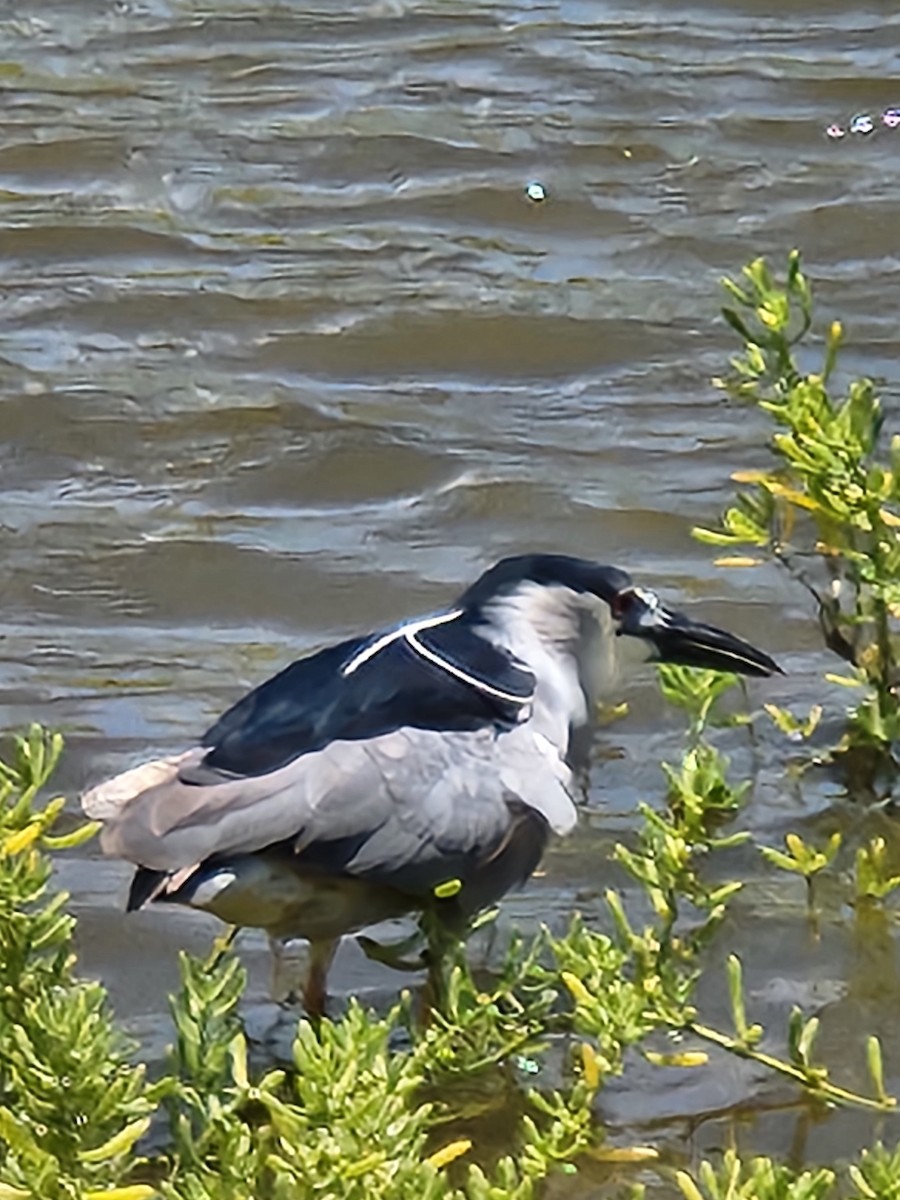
(554, 593)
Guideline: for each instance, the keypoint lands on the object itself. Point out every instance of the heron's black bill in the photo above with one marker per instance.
(690, 644)
(677, 639)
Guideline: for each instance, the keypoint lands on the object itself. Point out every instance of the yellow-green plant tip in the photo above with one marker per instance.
(796, 846)
(861, 1184)
(687, 1058)
(365, 1165)
(22, 839)
(577, 990)
(737, 561)
(238, 1049)
(779, 859)
(807, 1038)
(689, 1189)
(795, 1027)
(590, 1066)
(120, 1143)
(736, 995)
(449, 1153)
(606, 714)
(712, 537)
(69, 841)
(445, 891)
(623, 1154)
(136, 1191)
(876, 1066)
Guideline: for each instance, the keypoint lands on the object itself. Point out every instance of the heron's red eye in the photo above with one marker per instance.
(621, 602)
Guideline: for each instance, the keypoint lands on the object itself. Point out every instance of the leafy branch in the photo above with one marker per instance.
(828, 510)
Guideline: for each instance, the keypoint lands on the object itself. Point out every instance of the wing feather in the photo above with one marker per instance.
(462, 682)
(399, 759)
(412, 808)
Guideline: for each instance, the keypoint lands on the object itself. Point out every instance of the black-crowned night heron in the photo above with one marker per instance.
(419, 768)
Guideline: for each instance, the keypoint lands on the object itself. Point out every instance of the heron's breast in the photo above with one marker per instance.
(271, 893)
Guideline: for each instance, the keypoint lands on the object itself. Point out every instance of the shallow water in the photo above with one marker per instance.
(285, 352)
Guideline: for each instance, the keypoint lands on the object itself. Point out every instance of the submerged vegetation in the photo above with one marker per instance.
(391, 1107)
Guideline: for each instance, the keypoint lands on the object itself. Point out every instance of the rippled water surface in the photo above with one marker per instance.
(286, 352)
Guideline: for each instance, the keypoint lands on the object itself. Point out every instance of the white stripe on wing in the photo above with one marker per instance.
(474, 682)
(401, 631)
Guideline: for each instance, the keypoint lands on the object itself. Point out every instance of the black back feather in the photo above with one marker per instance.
(313, 702)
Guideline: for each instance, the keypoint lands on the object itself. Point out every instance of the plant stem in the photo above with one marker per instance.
(820, 1088)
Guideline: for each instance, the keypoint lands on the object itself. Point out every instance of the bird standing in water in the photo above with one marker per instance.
(420, 768)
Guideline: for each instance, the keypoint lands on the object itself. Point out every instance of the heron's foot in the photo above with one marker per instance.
(394, 954)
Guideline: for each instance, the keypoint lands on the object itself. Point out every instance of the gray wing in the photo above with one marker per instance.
(412, 807)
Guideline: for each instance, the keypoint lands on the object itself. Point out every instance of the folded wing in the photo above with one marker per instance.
(409, 766)
(411, 808)
(442, 677)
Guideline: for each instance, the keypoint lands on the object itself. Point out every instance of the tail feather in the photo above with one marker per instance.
(149, 884)
(145, 886)
(106, 800)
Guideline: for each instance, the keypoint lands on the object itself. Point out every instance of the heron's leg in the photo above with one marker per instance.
(279, 993)
(315, 993)
(289, 967)
(433, 995)
(442, 941)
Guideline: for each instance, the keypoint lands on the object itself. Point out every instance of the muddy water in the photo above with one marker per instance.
(286, 352)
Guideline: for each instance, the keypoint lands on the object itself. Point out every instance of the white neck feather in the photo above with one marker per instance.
(566, 640)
